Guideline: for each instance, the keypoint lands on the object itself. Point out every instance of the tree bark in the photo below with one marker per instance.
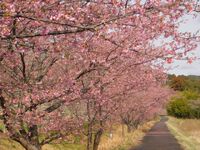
(97, 139)
(129, 128)
(90, 125)
(33, 147)
(123, 132)
(89, 138)
(27, 144)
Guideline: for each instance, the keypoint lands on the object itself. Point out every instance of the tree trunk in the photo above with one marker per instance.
(97, 139)
(27, 144)
(123, 132)
(129, 128)
(89, 138)
(90, 125)
(33, 147)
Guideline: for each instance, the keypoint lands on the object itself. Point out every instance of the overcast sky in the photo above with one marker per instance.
(182, 67)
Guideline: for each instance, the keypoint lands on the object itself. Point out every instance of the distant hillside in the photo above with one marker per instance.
(181, 82)
(194, 77)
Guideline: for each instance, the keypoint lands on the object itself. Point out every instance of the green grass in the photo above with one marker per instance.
(2, 127)
(64, 146)
(117, 143)
(7, 144)
(186, 131)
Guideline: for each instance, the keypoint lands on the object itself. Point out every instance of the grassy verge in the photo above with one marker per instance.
(7, 144)
(119, 142)
(63, 146)
(186, 131)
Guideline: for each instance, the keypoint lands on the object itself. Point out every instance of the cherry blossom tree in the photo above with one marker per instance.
(102, 107)
(137, 109)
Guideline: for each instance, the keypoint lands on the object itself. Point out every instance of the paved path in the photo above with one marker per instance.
(159, 138)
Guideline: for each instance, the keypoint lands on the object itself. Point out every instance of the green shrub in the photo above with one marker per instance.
(184, 108)
(179, 108)
(190, 95)
(186, 105)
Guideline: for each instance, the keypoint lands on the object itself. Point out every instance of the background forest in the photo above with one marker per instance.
(187, 103)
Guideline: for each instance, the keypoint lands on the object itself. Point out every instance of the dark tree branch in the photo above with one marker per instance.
(52, 137)
(22, 57)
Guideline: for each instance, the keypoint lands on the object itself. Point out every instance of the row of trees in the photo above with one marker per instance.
(66, 64)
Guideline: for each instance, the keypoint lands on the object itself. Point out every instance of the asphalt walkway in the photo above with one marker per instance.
(159, 138)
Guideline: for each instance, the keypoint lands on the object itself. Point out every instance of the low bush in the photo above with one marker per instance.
(185, 106)
(179, 108)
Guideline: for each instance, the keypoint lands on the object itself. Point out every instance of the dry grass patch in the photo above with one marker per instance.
(8, 144)
(186, 131)
(119, 142)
